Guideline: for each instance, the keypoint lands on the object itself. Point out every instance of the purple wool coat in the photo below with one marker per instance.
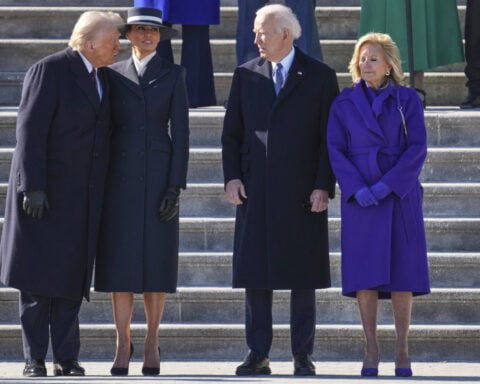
(383, 246)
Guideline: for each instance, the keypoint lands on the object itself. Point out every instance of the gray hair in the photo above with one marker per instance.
(91, 24)
(283, 16)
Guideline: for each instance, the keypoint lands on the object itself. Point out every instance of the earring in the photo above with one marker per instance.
(387, 73)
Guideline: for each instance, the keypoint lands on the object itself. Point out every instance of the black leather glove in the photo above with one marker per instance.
(169, 205)
(35, 203)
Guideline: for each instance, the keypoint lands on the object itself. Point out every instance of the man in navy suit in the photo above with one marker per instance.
(277, 172)
(55, 191)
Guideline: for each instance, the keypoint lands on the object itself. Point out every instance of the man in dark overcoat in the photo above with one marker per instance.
(55, 191)
(277, 172)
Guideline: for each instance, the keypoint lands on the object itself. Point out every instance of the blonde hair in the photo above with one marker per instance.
(389, 48)
(284, 18)
(91, 24)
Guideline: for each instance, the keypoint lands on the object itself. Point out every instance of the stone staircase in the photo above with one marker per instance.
(204, 319)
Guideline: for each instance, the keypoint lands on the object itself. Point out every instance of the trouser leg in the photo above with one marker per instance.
(302, 320)
(64, 329)
(34, 318)
(258, 320)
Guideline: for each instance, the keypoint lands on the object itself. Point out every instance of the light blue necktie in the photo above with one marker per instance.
(278, 78)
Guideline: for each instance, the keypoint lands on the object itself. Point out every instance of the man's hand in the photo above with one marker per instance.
(235, 191)
(169, 205)
(35, 203)
(319, 200)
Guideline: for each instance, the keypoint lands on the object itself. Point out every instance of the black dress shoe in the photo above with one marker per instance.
(68, 368)
(121, 371)
(303, 365)
(472, 101)
(254, 364)
(35, 368)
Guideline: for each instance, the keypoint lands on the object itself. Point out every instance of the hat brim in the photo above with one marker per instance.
(166, 33)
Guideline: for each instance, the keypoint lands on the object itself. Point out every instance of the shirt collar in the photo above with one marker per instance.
(141, 64)
(87, 63)
(286, 61)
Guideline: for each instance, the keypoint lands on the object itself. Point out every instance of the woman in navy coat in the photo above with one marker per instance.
(377, 147)
(195, 16)
(138, 245)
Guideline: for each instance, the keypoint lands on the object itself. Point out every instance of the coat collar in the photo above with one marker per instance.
(155, 70)
(295, 75)
(369, 113)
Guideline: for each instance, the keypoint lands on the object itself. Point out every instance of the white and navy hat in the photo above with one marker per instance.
(150, 16)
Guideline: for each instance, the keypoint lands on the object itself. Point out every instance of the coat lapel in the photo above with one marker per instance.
(295, 77)
(82, 78)
(129, 76)
(358, 98)
(155, 70)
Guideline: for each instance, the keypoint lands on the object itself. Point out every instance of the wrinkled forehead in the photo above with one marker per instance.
(264, 23)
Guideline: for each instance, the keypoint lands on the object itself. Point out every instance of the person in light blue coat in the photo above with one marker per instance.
(195, 16)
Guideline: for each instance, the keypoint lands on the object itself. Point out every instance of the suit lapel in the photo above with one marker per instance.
(83, 79)
(295, 76)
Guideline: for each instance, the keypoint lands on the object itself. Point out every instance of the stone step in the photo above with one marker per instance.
(214, 269)
(446, 127)
(219, 305)
(42, 22)
(214, 234)
(443, 88)
(442, 165)
(223, 342)
(440, 200)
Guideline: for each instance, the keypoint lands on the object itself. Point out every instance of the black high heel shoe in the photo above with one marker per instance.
(120, 371)
(152, 371)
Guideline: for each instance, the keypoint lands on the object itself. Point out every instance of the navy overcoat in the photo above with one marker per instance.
(194, 12)
(149, 153)
(62, 143)
(278, 243)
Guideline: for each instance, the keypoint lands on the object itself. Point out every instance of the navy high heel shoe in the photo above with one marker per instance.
(120, 371)
(403, 372)
(369, 372)
(152, 371)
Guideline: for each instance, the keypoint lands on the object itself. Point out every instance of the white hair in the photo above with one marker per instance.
(91, 24)
(284, 18)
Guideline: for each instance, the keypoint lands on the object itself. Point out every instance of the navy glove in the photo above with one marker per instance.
(380, 190)
(365, 197)
(35, 203)
(169, 206)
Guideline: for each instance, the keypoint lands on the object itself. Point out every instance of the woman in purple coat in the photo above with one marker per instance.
(377, 146)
